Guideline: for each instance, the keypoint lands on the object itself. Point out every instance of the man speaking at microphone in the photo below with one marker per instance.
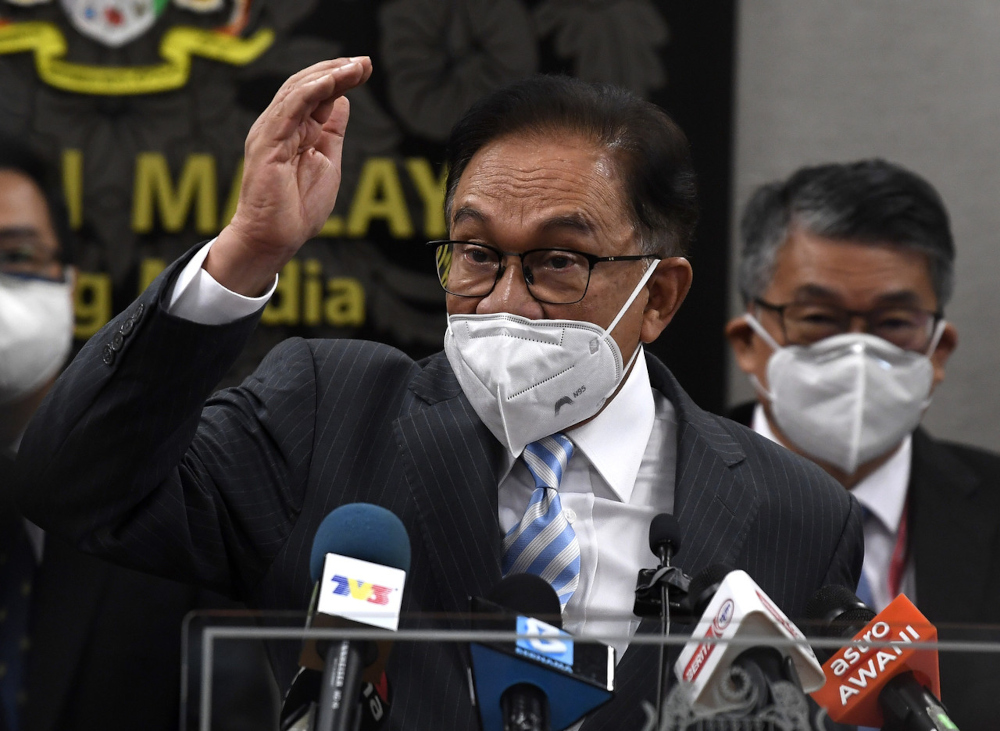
(846, 270)
(542, 440)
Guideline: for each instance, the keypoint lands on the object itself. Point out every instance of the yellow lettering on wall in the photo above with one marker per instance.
(234, 197)
(345, 305)
(379, 195)
(283, 308)
(92, 303)
(312, 293)
(154, 189)
(72, 178)
(432, 192)
(333, 227)
(149, 269)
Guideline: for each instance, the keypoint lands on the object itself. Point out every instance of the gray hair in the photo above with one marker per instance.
(870, 201)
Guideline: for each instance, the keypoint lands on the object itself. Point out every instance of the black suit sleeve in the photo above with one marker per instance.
(845, 568)
(127, 460)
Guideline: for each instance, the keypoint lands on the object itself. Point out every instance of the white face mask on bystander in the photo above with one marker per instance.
(36, 333)
(849, 398)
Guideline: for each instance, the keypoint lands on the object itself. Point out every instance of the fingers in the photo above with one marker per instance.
(331, 142)
(317, 69)
(322, 112)
(311, 93)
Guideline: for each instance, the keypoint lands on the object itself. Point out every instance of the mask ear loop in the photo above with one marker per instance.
(755, 325)
(621, 313)
(935, 339)
(631, 298)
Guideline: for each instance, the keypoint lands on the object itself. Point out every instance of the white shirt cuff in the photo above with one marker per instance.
(199, 298)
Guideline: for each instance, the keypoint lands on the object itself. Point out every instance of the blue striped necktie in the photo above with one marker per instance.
(544, 543)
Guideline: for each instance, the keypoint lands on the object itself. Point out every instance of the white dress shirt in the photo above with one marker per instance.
(883, 495)
(198, 297)
(620, 476)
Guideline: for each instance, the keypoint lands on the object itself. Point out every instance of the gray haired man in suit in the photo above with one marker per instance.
(569, 207)
(846, 271)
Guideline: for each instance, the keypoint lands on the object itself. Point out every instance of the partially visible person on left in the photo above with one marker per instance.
(84, 644)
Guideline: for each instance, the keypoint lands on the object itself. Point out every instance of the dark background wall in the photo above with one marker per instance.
(150, 156)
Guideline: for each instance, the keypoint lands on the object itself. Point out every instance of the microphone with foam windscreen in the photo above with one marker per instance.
(894, 687)
(724, 677)
(359, 559)
(544, 681)
(664, 542)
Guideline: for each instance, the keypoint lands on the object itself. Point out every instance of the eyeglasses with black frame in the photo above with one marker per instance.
(910, 328)
(23, 256)
(553, 276)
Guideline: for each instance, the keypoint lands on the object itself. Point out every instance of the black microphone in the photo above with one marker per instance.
(360, 556)
(664, 542)
(542, 682)
(885, 687)
(834, 612)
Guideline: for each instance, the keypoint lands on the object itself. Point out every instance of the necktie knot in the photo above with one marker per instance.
(547, 458)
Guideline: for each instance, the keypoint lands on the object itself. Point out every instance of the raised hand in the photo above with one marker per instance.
(291, 175)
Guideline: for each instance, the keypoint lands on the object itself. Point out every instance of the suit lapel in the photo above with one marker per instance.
(713, 504)
(453, 464)
(714, 508)
(949, 573)
(67, 590)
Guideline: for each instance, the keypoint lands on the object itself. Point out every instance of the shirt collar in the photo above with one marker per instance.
(615, 440)
(883, 492)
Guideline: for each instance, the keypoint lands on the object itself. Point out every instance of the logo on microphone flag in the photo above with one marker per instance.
(547, 644)
(740, 608)
(364, 592)
(856, 674)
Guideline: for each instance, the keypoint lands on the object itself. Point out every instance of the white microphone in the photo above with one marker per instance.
(741, 609)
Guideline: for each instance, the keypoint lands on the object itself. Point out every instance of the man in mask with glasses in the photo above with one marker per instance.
(541, 440)
(845, 272)
(84, 644)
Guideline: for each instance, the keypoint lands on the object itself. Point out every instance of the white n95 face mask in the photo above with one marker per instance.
(849, 398)
(36, 333)
(528, 379)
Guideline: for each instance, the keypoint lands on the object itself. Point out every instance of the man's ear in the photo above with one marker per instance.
(946, 345)
(749, 350)
(668, 286)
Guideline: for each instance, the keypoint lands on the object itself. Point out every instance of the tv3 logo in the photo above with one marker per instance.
(361, 590)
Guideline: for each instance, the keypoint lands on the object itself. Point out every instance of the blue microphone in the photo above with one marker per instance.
(544, 681)
(362, 531)
(359, 560)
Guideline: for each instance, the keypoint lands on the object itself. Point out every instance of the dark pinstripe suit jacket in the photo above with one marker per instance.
(130, 461)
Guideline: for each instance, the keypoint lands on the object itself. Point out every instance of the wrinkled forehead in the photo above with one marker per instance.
(525, 178)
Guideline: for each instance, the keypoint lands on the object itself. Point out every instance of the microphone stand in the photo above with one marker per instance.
(665, 552)
(653, 589)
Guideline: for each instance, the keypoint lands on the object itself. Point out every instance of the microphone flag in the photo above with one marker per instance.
(857, 674)
(740, 608)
